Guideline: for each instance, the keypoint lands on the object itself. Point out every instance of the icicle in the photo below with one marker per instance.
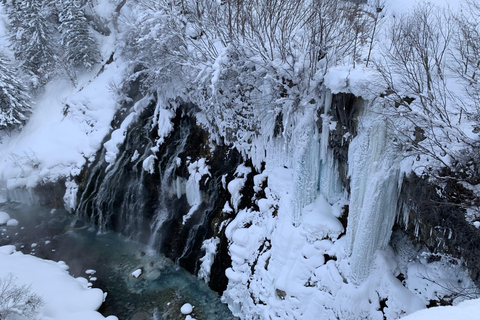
(325, 125)
(330, 184)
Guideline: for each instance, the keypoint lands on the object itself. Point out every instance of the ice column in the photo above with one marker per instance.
(306, 170)
(374, 190)
(314, 165)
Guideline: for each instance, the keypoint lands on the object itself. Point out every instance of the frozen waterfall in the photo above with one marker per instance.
(375, 185)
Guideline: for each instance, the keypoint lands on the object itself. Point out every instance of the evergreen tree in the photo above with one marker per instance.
(31, 38)
(14, 101)
(81, 48)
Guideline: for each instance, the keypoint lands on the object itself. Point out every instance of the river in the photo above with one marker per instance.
(158, 293)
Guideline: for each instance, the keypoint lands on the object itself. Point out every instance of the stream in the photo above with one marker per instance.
(109, 261)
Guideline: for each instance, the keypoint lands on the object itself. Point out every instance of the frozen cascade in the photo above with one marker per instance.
(330, 184)
(375, 186)
(309, 154)
(306, 170)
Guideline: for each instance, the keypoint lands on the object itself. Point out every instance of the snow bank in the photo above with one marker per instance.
(68, 123)
(66, 128)
(467, 310)
(64, 297)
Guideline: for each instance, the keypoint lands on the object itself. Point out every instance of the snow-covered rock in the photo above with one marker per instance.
(187, 308)
(12, 223)
(4, 217)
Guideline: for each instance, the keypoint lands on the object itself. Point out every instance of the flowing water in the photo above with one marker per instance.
(158, 293)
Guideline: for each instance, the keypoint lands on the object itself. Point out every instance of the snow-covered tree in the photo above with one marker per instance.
(14, 101)
(81, 48)
(31, 38)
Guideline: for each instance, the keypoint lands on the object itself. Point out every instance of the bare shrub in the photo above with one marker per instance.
(17, 299)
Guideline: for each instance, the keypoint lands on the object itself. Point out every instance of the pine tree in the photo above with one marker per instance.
(32, 38)
(14, 101)
(81, 48)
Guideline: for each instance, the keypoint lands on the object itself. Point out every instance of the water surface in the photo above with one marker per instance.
(158, 293)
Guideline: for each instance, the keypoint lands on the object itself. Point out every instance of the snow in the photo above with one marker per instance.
(318, 221)
(187, 308)
(65, 129)
(64, 297)
(137, 273)
(4, 217)
(118, 136)
(67, 125)
(12, 223)
(70, 197)
(149, 164)
(210, 247)
(467, 310)
(236, 185)
(196, 170)
(362, 82)
(163, 120)
(289, 259)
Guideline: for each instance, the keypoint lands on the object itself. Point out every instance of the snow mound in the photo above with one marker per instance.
(12, 223)
(64, 296)
(187, 308)
(4, 217)
(319, 221)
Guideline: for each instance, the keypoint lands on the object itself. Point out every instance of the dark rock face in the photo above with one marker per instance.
(439, 222)
(127, 199)
(344, 110)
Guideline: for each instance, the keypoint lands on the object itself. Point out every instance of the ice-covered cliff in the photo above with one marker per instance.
(302, 177)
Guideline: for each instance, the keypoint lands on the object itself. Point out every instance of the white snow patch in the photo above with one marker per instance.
(362, 82)
(163, 120)
(4, 217)
(236, 185)
(118, 136)
(149, 164)
(12, 223)
(187, 308)
(65, 297)
(466, 310)
(70, 197)
(210, 247)
(318, 221)
(137, 273)
(196, 171)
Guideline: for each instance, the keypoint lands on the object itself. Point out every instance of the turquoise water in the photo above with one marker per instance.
(158, 293)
